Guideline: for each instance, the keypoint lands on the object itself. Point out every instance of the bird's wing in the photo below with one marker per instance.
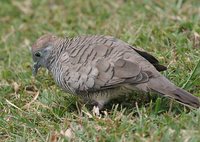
(122, 71)
(103, 64)
(151, 59)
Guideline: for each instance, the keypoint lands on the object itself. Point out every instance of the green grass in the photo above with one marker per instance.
(168, 29)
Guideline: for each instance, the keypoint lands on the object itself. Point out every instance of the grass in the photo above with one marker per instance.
(167, 29)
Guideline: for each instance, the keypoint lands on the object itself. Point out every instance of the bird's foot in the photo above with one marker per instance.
(96, 111)
(97, 107)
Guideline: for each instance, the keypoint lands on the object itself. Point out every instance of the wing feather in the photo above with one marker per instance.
(102, 64)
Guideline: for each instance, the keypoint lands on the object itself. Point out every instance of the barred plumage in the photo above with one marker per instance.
(100, 68)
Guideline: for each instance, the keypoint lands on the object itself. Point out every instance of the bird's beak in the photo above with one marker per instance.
(36, 66)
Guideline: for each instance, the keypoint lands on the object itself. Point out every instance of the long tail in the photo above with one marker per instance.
(164, 87)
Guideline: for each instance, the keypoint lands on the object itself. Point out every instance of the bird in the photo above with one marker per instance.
(99, 68)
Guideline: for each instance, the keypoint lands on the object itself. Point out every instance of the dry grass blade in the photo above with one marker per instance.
(27, 106)
(68, 133)
(16, 87)
(13, 105)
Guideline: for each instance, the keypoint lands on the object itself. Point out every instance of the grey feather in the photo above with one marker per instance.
(100, 68)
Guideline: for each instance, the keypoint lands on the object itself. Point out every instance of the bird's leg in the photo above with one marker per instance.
(97, 106)
(95, 111)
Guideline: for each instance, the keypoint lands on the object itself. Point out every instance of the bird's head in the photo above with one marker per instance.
(41, 50)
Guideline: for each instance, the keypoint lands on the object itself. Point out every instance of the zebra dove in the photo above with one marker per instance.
(99, 68)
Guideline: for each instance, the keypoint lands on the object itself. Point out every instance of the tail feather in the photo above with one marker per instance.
(186, 98)
(164, 87)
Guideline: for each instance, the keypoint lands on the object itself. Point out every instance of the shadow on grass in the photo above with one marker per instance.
(153, 104)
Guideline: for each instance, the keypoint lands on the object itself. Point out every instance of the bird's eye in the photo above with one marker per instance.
(38, 54)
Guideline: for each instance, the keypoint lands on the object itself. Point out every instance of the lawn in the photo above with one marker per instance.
(35, 109)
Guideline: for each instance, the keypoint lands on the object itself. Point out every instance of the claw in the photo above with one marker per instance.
(95, 111)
